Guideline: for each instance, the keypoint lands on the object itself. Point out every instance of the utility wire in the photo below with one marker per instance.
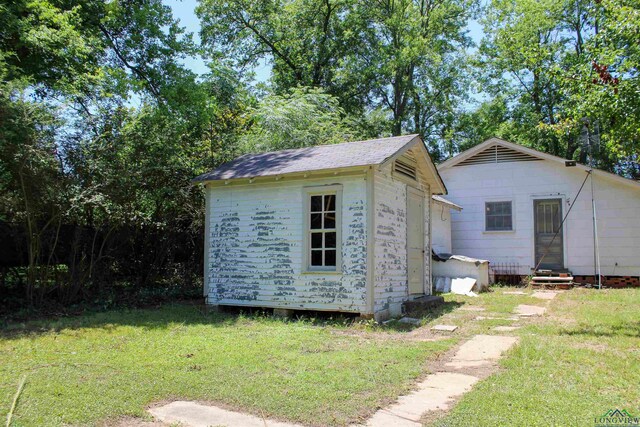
(546, 251)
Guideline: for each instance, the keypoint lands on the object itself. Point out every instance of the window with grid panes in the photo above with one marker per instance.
(322, 232)
(498, 216)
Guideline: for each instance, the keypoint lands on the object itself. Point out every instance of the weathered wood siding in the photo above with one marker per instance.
(256, 247)
(618, 207)
(390, 242)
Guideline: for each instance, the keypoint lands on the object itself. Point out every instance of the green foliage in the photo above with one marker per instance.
(401, 57)
(301, 118)
(102, 130)
(564, 64)
(304, 39)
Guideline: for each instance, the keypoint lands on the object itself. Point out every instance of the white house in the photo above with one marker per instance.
(515, 199)
(441, 224)
(340, 227)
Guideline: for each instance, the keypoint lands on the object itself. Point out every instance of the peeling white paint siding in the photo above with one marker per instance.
(618, 211)
(428, 238)
(256, 247)
(390, 244)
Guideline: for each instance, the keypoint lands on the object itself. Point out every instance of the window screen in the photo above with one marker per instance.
(498, 216)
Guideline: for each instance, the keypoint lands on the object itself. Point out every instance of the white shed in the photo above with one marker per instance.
(515, 199)
(340, 227)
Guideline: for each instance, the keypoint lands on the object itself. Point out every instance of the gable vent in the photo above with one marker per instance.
(405, 168)
(497, 154)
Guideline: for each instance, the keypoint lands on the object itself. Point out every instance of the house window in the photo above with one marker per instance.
(323, 231)
(499, 216)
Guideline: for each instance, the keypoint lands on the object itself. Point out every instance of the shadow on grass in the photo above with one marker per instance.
(173, 315)
(425, 315)
(160, 317)
(631, 329)
(188, 314)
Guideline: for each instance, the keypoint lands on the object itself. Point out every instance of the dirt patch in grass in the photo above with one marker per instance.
(130, 422)
(421, 334)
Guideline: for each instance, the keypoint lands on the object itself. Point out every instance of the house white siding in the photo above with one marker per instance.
(617, 205)
(390, 242)
(256, 235)
(441, 228)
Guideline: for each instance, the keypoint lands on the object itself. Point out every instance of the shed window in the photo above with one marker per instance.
(499, 216)
(323, 242)
(322, 228)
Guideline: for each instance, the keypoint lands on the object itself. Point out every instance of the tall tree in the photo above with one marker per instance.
(102, 128)
(564, 65)
(303, 39)
(402, 56)
(407, 54)
(301, 118)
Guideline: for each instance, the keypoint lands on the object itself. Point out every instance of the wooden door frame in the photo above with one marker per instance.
(561, 198)
(420, 193)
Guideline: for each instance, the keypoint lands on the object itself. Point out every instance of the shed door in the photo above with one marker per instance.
(548, 217)
(415, 240)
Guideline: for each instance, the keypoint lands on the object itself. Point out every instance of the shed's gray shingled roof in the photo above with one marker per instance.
(320, 157)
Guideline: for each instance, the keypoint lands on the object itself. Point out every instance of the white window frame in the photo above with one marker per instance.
(336, 190)
(513, 215)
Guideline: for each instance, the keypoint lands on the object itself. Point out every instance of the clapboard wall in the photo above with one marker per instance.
(390, 241)
(255, 254)
(617, 203)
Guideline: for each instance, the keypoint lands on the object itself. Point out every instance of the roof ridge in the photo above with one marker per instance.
(317, 157)
(470, 152)
(413, 135)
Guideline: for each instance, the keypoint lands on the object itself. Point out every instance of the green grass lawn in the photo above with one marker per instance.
(98, 367)
(579, 361)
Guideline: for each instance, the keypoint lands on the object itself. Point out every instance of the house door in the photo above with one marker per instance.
(415, 240)
(547, 219)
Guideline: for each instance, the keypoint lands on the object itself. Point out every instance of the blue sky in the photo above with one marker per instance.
(184, 10)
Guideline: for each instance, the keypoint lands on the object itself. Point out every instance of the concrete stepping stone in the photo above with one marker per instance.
(544, 295)
(506, 328)
(197, 415)
(444, 328)
(524, 310)
(481, 350)
(434, 393)
(514, 293)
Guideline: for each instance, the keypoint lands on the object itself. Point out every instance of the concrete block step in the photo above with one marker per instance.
(421, 304)
(552, 279)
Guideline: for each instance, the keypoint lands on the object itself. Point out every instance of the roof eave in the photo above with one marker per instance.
(278, 176)
(447, 203)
